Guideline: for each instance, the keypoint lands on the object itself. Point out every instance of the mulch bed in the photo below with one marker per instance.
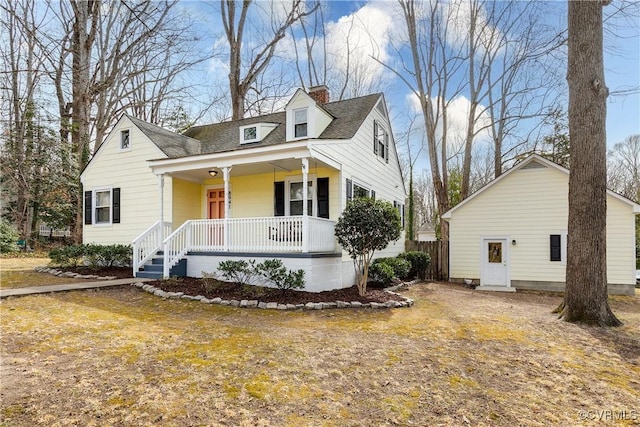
(230, 291)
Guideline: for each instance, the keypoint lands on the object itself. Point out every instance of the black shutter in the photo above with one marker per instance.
(115, 207)
(555, 248)
(386, 147)
(373, 194)
(88, 207)
(375, 137)
(349, 190)
(278, 199)
(323, 197)
(403, 217)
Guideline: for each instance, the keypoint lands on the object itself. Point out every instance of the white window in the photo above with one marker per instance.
(102, 207)
(300, 123)
(249, 134)
(294, 197)
(360, 191)
(125, 141)
(380, 141)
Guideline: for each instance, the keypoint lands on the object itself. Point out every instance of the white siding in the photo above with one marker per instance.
(361, 165)
(528, 206)
(140, 191)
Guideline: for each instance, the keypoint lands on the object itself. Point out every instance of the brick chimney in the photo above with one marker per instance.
(320, 94)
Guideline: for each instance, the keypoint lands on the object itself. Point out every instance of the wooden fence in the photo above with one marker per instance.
(439, 253)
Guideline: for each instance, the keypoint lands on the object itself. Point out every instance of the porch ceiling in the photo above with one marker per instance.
(282, 165)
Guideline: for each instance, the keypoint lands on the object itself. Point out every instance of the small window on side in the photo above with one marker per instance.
(125, 142)
(555, 247)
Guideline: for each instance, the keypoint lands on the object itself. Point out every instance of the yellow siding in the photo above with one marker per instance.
(187, 201)
(528, 206)
(252, 196)
(140, 190)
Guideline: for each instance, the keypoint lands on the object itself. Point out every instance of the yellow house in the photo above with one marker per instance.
(237, 189)
(512, 233)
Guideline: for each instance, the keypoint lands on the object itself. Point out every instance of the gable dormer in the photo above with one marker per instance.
(255, 132)
(305, 117)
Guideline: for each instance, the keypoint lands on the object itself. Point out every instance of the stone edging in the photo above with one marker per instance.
(408, 302)
(71, 274)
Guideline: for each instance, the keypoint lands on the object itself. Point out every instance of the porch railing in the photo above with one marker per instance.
(285, 234)
(149, 243)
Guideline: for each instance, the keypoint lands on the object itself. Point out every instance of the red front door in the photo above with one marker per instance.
(215, 203)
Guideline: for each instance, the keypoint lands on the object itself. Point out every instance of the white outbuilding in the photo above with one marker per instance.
(512, 233)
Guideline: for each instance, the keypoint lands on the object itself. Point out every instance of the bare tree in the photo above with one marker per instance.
(21, 60)
(432, 66)
(234, 19)
(585, 297)
(624, 167)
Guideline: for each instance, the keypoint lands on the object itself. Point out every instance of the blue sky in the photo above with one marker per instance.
(622, 66)
(622, 56)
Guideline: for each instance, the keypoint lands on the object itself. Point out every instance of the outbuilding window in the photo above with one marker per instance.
(125, 142)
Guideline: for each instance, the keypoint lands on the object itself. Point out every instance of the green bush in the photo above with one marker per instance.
(240, 272)
(8, 238)
(401, 267)
(365, 226)
(275, 272)
(419, 263)
(67, 256)
(108, 255)
(92, 255)
(246, 272)
(381, 273)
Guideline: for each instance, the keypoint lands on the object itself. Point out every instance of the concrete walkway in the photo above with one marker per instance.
(4, 293)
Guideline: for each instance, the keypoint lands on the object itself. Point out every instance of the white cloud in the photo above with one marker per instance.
(457, 117)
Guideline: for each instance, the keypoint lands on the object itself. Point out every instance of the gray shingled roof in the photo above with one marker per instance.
(170, 143)
(220, 137)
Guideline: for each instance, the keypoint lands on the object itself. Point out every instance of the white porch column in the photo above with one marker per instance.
(227, 201)
(161, 179)
(305, 215)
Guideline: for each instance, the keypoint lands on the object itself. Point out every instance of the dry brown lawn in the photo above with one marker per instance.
(122, 357)
(18, 273)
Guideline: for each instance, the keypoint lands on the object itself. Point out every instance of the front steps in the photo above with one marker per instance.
(153, 270)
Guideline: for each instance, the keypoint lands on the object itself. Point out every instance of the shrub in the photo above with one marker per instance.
(365, 226)
(275, 272)
(240, 272)
(246, 272)
(401, 267)
(67, 256)
(209, 281)
(92, 255)
(8, 238)
(419, 263)
(381, 273)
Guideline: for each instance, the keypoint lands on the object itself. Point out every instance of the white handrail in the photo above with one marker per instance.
(283, 234)
(147, 244)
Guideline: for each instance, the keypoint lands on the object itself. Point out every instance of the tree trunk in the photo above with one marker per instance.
(585, 299)
(82, 43)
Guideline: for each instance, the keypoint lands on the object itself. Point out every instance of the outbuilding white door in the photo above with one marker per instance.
(494, 262)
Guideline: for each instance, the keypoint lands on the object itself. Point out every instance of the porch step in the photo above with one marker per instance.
(153, 270)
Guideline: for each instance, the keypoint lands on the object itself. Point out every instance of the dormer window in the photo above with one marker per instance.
(300, 121)
(255, 132)
(125, 142)
(249, 134)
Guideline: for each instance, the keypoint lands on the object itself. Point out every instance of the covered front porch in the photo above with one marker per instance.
(272, 236)
(242, 205)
